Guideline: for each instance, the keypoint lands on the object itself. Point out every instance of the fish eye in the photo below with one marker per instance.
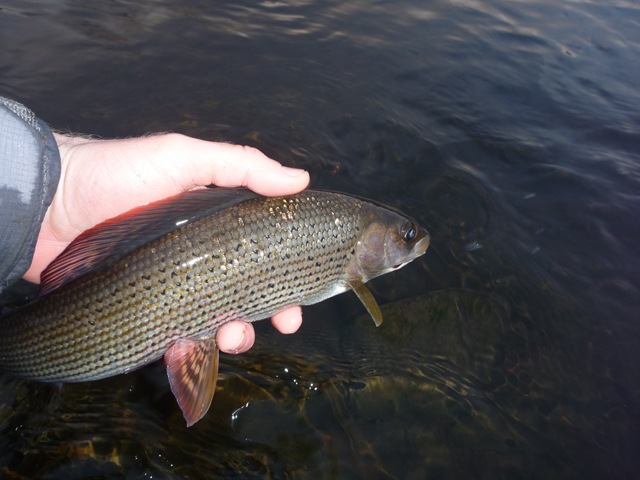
(408, 232)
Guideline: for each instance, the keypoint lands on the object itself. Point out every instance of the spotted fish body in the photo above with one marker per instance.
(240, 259)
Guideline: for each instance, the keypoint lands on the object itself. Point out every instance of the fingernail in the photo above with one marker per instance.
(292, 172)
(236, 349)
(243, 345)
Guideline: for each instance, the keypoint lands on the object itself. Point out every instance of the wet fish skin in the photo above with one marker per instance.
(247, 261)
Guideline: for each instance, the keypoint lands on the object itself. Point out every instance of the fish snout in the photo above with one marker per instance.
(424, 242)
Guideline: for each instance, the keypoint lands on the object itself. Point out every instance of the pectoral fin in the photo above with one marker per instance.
(192, 368)
(367, 300)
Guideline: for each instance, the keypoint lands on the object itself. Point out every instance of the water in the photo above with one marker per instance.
(510, 129)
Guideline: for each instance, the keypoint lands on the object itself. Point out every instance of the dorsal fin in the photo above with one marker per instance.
(108, 242)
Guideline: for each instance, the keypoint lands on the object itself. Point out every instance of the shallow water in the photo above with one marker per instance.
(510, 129)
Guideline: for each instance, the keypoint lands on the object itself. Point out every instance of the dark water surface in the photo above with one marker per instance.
(511, 129)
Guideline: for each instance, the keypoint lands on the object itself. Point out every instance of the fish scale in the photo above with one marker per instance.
(245, 262)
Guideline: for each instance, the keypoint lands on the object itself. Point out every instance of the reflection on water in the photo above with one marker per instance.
(509, 129)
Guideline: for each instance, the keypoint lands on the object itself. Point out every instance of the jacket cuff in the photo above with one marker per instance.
(29, 175)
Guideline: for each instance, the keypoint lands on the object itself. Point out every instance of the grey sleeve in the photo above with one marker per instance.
(29, 174)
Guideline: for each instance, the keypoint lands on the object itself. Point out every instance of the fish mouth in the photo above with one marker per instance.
(422, 244)
(419, 250)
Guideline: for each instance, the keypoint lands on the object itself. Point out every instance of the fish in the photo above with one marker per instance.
(158, 281)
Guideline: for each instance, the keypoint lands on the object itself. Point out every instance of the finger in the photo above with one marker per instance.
(288, 320)
(235, 337)
(228, 165)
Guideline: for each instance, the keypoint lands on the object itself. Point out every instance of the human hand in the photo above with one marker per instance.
(101, 179)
